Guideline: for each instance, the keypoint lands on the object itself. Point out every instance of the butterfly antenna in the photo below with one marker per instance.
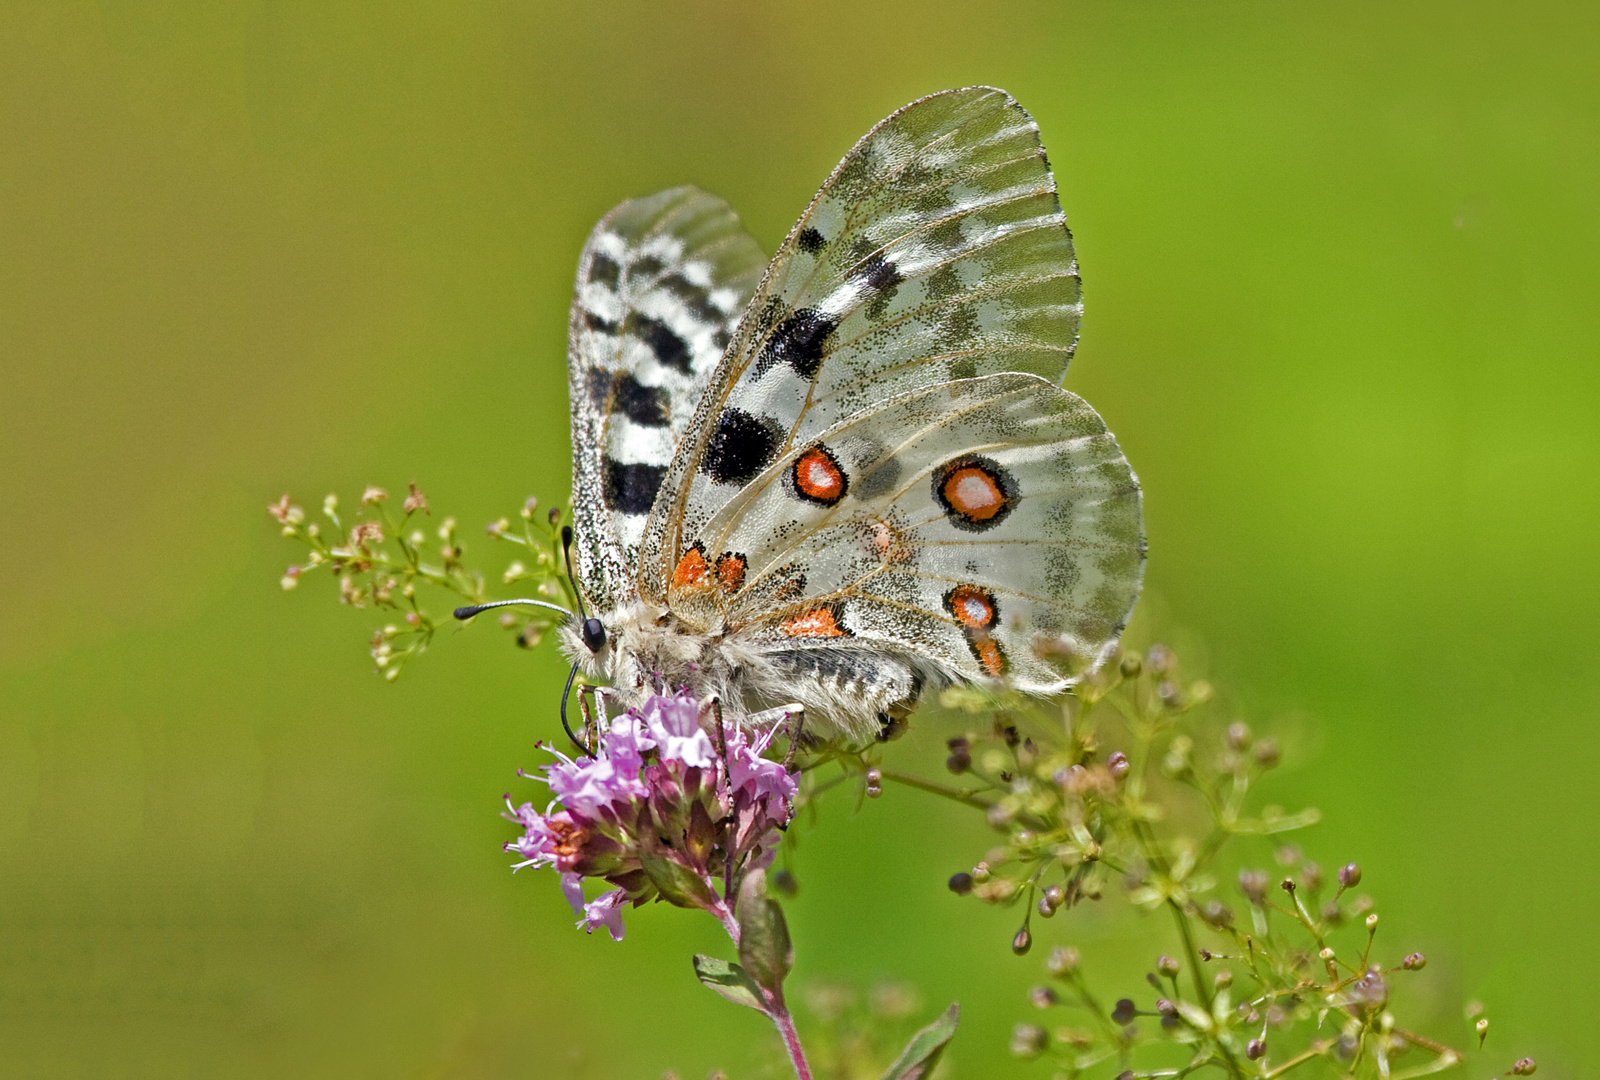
(472, 609)
(566, 553)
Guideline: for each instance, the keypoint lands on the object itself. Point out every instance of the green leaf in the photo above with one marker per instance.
(764, 945)
(729, 980)
(922, 1053)
(678, 884)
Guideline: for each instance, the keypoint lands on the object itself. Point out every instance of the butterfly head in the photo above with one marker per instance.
(593, 634)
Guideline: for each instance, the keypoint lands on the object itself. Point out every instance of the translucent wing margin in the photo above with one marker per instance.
(936, 251)
(662, 282)
(990, 524)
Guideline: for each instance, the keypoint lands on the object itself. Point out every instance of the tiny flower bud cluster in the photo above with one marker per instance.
(667, 807)
(379, 559)
(1143, 802)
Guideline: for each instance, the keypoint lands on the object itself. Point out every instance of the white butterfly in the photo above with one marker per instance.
(855, 476)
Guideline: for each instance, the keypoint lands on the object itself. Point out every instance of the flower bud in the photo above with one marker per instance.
(413, 619)
(1201, 692)
(1311, 877)
(1217, 914)
(960, 759)
(980, 872)
(1524, 1067)
(1349, 876)
(554, 516)
(1287, 885)
(289, 581)
(1044, 909)
(1223, 980)
(1118, 764)
(961, 884)
(1238, 735)
(1165, 1007)
(1022, 942)
(784, 882)
(1029, 1040)
(1042, 997)
(1160, 659)
(874, 783)
(1372, 923)
(330, 504)
(1056, 895)
(1253, 883)
(1124, 1012)
(1414, 962)
(1255, 1049)
(1267, 753)
(1167, 966)
(1131, 666)
(1063, 961)
(1482, 1028)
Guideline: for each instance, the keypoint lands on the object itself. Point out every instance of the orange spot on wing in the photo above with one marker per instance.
(730, 572)
(815, 622)
(691, 572)
(974, 493)
(972, 606)
(817, 476)
(990, 658)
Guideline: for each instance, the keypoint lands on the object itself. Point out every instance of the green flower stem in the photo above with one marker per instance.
(967, 797)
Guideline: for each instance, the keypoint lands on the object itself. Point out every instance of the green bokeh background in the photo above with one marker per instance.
(1342, 264)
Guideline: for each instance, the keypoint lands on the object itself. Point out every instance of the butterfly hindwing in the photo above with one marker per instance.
(661, 284)
(968, 523)
(937, 250)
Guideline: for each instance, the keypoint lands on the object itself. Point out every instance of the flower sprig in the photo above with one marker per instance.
(1117, 790)
(379, 556)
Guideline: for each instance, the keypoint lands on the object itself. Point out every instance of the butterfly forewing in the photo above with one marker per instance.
(936, 251)
(661, 285)
(968, 523)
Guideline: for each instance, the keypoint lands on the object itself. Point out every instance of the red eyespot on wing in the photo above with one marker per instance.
(691, 572)
(816, 622)
(817, 477)
(972, 607)
(730, 572)
(976, 493)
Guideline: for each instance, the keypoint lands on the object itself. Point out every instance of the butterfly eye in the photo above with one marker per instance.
(594, 635)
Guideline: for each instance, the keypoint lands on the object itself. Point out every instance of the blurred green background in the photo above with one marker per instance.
(1342, 264)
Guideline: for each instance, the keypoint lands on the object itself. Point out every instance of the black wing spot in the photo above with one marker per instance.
(800, 341)
(810, 240)
(631, 488)
(603, 270)
(693, 297)
(595, 322)
(644, 405)
(880, 277)
(647, 266)
(670, 349)
(740, 447)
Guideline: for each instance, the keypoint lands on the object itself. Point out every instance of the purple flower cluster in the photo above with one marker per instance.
(659, 812)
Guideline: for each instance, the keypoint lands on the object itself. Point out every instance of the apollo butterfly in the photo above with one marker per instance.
(849, 475)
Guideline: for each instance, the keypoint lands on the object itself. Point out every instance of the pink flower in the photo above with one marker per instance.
(674, 723)
(604, 910)
(657, 812)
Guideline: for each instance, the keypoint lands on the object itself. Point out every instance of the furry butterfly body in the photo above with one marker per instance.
(851, 476)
